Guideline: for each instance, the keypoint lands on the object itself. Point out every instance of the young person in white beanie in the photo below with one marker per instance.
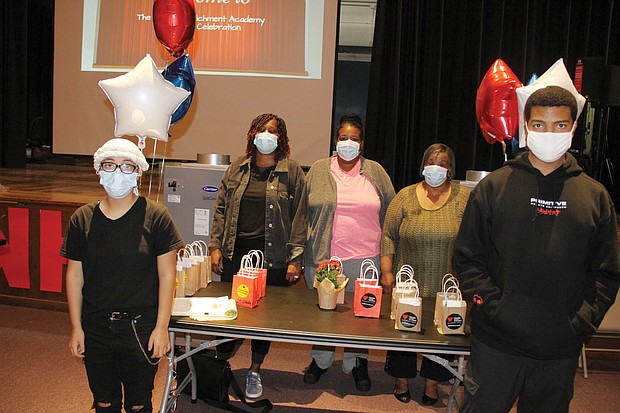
(537, 256)
(120, 281)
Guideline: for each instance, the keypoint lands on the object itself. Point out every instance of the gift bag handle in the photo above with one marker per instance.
(192, 259)
(198, 250)
(448, 281)
(405, 270)
(206, 247)
(410, 286)
(453, 290)
(260, 258)
(366, 264)
(196, 246)
(334, 258)
(181, 259)
(246, 262)
(369, 266)
(449, 277)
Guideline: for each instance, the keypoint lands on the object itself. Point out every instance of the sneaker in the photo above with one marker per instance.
(313, 373)
(360, 375)
(253, 385)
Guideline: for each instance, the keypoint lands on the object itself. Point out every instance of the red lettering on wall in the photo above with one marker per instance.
(50, 243)
(14, 255)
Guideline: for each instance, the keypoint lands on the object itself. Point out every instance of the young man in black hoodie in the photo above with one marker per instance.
(537, 255)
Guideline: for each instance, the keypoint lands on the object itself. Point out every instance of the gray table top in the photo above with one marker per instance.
(293, 315)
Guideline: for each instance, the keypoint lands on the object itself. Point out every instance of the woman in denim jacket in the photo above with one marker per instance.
(261, 205)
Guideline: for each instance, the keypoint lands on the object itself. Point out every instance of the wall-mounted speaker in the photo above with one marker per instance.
(593, 78)
(611, 87)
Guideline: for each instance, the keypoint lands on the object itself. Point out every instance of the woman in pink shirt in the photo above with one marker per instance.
(348, 196)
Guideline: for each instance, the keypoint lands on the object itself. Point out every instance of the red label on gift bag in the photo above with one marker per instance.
(245, 290)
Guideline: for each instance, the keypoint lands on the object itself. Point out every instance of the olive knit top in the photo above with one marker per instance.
(423, 238)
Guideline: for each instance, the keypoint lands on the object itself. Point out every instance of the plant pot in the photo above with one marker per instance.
(327, 300)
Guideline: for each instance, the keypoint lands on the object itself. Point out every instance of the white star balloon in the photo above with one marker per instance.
(556, 75)
(143, 101)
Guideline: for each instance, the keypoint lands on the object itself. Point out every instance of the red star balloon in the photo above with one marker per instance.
(497, 107)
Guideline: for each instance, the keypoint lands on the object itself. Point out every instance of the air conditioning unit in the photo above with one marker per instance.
(357, 23)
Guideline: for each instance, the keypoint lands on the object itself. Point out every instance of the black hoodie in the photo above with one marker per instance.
(538, 257)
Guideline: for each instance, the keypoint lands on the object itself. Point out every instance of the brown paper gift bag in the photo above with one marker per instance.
(409, 309)
(448, 280)
(402, 278)
(201, 251)
(452, 312)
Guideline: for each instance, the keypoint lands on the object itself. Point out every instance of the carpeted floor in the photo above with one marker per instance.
(41, 376)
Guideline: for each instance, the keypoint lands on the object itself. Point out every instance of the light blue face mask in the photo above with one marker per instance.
(348, 150)
(266, 142)
(435, 175)
(117, 184)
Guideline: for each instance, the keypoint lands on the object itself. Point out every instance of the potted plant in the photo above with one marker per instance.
(330, 282)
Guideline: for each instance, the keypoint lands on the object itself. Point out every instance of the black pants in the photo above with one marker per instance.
(114, 362)
(403, 364)
(494, 380)
(275, 276)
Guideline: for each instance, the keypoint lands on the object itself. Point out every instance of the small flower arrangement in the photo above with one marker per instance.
(329, 270)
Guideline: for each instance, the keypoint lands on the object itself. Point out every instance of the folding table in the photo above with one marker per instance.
(292, 315)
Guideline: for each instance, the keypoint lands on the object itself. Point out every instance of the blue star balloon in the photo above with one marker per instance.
(181, 74)
(533, 79)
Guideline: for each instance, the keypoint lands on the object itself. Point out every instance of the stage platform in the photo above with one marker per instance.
(35, 206)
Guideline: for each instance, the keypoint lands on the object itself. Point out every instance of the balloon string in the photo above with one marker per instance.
(161, 171)
(141, 147)
(504, 151)
(152, 163)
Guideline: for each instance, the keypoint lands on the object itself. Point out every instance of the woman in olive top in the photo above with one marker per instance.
(420, 229)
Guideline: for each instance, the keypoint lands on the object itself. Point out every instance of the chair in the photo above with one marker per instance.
(609, 329)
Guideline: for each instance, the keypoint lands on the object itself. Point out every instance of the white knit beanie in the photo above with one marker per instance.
(121, 148)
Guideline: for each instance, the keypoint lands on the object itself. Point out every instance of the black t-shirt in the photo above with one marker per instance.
(252, 209)
(119, 257)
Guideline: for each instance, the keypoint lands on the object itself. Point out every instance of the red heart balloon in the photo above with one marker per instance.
(174, 22)
(497, 107)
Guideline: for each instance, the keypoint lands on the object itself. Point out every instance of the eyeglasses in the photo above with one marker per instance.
(125, 168)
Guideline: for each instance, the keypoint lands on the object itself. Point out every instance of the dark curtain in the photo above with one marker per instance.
(26, 46)
(429, 57)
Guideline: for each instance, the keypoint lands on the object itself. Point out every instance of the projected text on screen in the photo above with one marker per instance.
(270, 38)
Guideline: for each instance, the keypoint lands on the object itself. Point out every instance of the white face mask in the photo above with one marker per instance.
(117, 184)
(435, 175)
(549, 146)
(348, 150)
(265, 142)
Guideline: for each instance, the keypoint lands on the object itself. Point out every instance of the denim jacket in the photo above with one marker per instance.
(286, 221)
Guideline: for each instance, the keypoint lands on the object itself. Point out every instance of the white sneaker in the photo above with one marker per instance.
(253, 385)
